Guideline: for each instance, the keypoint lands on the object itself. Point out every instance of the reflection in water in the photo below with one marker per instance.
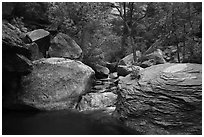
(60, 123)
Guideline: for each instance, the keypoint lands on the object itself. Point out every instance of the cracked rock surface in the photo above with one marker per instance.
(167, 99)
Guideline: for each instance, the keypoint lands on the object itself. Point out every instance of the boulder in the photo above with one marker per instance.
(167, 99)
(125, 70)
(15, 62)
(113, 75)
(55, 83)
(34, 50)
(12, 38)
(112, 66)
(153, 58)
(101, 71)
(128, 60)
(42, 38)
(148, 63)
(170, 54)
(92, 101)
(15, 55)
(64, 46)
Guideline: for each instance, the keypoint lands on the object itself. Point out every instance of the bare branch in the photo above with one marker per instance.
(139, 19)
(115, 14)
(120, 12)
(121, 15)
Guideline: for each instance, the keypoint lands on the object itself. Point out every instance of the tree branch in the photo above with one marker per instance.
(121, 15)
(139, 19)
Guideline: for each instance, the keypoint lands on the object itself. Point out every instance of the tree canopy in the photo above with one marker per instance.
(108, 31)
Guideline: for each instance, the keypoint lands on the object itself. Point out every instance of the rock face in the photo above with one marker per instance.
(64, 46)
(144, 61)
(34, 50)
(167, 99)
(153, 58)
(147, 63)
(112, 66)
(128, 60)
(15, 62)
(42, 38)
(101, 71)
(93, 101)
(125, 70)
(13, 36)
(56, 83)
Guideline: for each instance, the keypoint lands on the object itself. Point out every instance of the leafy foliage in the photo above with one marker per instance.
(109, 31)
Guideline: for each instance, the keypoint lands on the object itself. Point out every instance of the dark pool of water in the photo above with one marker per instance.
(60, 123)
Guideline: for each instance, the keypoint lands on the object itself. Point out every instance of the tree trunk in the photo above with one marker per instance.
(178, 56)
(174, 29)
(124, 38)
(189, 14)
(130, 32)
(82, 39)
(133, 50)
(184, 43)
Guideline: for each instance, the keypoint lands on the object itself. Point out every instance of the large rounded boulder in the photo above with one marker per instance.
(64, 46)
(55, 83)
(166, 99)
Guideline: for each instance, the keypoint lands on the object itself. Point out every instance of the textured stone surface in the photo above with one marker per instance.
(34, 50)
(167, 99)
(15, 62)
(125, 70)
(64, 46)
(113, 75)
(101, 71)
(56, 83)
(153, 58)
(12, 39)
(37, 34)
(14, 51)
(93, 101)
(144, 61)
(148, 63)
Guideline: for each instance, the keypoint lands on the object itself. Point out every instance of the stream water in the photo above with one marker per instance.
(60, 123)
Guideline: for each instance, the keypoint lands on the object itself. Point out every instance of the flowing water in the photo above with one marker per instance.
(60, 123)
